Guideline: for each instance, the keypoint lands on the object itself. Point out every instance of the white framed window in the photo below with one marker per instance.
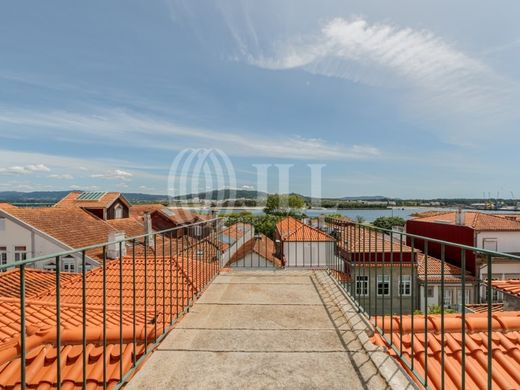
(491, 244)
(383, 285)
(197, 230)
(118, 211)
(430, 292)
(405, 286)
(362, 285)
(69, 266)
(20, 253)
(448, 297)
(466, 298)
(3, 255)
(200, 252)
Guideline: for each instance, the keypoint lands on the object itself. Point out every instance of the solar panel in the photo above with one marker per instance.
(168, 212)
(90, 195)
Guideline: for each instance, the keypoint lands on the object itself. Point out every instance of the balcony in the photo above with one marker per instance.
(210, 306)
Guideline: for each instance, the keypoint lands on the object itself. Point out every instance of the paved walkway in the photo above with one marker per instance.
(262, 330)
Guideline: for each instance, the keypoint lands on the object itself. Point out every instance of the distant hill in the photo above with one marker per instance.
(225, 194)
(375, 198)
(53, 196)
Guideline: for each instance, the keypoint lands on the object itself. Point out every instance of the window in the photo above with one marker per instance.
(490, 244)
(430, 292)
(118, 212)
(447, 298)
(200, 252)
(68, 267)
(3, 255)
(383, 284)
(362, 285)
(197, 230)
(405, 286)
(20, 253)
(459, 296)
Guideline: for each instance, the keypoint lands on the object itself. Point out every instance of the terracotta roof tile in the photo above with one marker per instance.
(510, 286)
(165, 284)
(7, 206)
(262, 246)
(475, 220)
(505, 348)
(452, 273)
(130, 226)
(290, 229)
(36, 281)
(483, 307)
(104, 201)
(365, 240)
(70, 226)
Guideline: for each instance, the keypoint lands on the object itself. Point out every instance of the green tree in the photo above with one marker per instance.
(283, 203)
(388, 222)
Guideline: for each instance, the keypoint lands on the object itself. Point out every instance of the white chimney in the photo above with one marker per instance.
(113, 249)
(459, 217)
(148, 229)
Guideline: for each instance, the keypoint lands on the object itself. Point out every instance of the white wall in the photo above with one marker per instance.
(37, 244)
(253, 260)
(508, 242)
(455, 292)
(308, 254)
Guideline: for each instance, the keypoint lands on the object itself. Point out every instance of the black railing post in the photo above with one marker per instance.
(58, 323)
(489, 324)
(23, 333)
(84, 318)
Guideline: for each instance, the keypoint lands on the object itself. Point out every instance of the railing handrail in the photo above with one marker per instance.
(77, 251)
(435, 240)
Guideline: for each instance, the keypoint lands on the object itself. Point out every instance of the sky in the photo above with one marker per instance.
(401, 99)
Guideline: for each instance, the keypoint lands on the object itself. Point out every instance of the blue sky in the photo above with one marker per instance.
(402, 98)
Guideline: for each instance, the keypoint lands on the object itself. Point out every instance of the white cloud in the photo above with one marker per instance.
(24, 170)
(119, 126)
(247, 187)
(383, 54)
(118, 174)
(65, 176)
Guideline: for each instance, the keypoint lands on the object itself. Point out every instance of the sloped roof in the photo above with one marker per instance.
(130, 226)
(104, 200)
(139, 210)
(366, 240)
(433, 273)
(474, 220)
(510, 286)
(263, 246)
(505, 348)
(290, 229)
(162, 304)
(36, 281)
(7, 206)
(71, 226)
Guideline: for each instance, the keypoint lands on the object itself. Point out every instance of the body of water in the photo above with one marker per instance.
(368, 215)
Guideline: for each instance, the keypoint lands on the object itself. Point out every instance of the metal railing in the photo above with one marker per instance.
(125, 304)
(407, 286)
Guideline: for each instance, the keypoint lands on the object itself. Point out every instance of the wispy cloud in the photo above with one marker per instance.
(124, 127)
(384, 54)
(118, 174)
(24, 170)
(64, 176)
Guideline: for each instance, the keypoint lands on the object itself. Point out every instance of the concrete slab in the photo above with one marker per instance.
(231, 370)
(256, 317)
(262, 279)
(261, 335)
(266, 294)
(258, 340)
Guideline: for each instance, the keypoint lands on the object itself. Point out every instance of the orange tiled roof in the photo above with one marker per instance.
(130, 226)
(163, 303)
(510, 286)
(365, 240)
(104, 201)
(290, 229)
(71, 226)
(36, 281)
(475, 220)
(7, 206)
(262, 246)
(139, 210)
(505, 348)
(483, 307)
(452, 273)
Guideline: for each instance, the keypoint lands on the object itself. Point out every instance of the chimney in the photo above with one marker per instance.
(113, 249)
(148, 229)
(459, 217)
